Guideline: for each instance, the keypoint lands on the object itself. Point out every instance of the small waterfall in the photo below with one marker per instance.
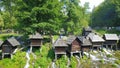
(28, 59)
(93, 57)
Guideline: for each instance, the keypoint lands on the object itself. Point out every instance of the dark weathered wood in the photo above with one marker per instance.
(59, 47)
(86, 44)
(9, 46)
(36, 42)
(74, 45)
(110, 42)
(86, 48)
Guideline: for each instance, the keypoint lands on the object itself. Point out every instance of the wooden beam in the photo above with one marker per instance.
(55, 56)
(3, 55)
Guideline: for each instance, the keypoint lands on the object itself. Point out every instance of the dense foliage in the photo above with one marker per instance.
(62, 62)
(18, 61)
(44, 57)
(45, 16)
(107, 14)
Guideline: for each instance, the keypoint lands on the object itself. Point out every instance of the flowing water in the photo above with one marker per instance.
(28, 59)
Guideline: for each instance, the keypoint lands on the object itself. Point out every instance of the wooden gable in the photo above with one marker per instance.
(9, 45)
(86, 44)
(74, 44)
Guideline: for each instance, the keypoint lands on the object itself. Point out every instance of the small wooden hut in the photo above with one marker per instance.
(86, 31)
(59, 47)
(86, 44)
(110, 40)
(74, 45)
(9, 47)
(96, 41)
(36, 40)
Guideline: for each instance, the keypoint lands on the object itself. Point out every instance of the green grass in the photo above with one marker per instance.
(5, 36)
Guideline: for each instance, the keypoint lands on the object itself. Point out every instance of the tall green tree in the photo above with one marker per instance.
(117, 10)
(74, 17)
(106, 14)
(43, 16)
(7, 12)
(1, 23)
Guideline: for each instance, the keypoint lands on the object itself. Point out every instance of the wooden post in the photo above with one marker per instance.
(89, 54)
(92, 48)
(116, 46)
(11, 56)
(98, 49)
(2, 55)
(102, 46)
(107, 46)
(71, 54)
(80, 53)
(55, 56)
(111, 47)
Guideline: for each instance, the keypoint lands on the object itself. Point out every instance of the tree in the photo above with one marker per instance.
(9, 22)
(106, 14)
(7, 12)
(1, 22)
(42, 16)
(74, 17)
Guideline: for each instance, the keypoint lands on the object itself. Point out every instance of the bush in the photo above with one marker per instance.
(62, 62)
(117, 54)
(106, 65)
(18, 61)
(109, 55)
(102, 61)
(117, 62)
(43, 59)
(42, 62)
(73, 62)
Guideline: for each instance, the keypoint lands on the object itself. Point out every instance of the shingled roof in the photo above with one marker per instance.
(13, 41)
(85, 41)
(60, 43)
(111, 37)
(71, 39)
(96, 38)
(36, 36)
(90, 35)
